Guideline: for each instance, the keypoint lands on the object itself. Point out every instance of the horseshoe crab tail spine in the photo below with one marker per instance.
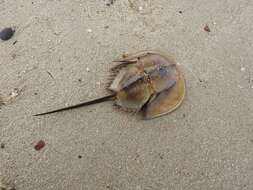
(99, 100)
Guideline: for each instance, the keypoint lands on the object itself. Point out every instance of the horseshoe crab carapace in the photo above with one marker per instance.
(148, 81)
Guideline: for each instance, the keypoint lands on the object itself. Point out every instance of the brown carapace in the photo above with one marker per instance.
(149, 82)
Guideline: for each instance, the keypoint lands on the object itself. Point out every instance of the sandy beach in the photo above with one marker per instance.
(61, 54)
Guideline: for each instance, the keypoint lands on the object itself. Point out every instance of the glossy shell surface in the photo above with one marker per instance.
(148, 81)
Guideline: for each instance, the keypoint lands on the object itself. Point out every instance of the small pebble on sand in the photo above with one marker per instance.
(15, 92)
(6, 33)
(89, 30)
(2, 146)
(40, 144)
(207, 29)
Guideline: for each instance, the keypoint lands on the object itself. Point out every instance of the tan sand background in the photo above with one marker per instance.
(206, 144)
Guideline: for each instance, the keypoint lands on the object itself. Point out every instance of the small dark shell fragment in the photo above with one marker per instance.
(206, 28)
(39, 145)
(2, 146)
(6, 33)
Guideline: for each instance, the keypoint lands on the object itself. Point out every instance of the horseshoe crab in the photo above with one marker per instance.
(148, 81)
